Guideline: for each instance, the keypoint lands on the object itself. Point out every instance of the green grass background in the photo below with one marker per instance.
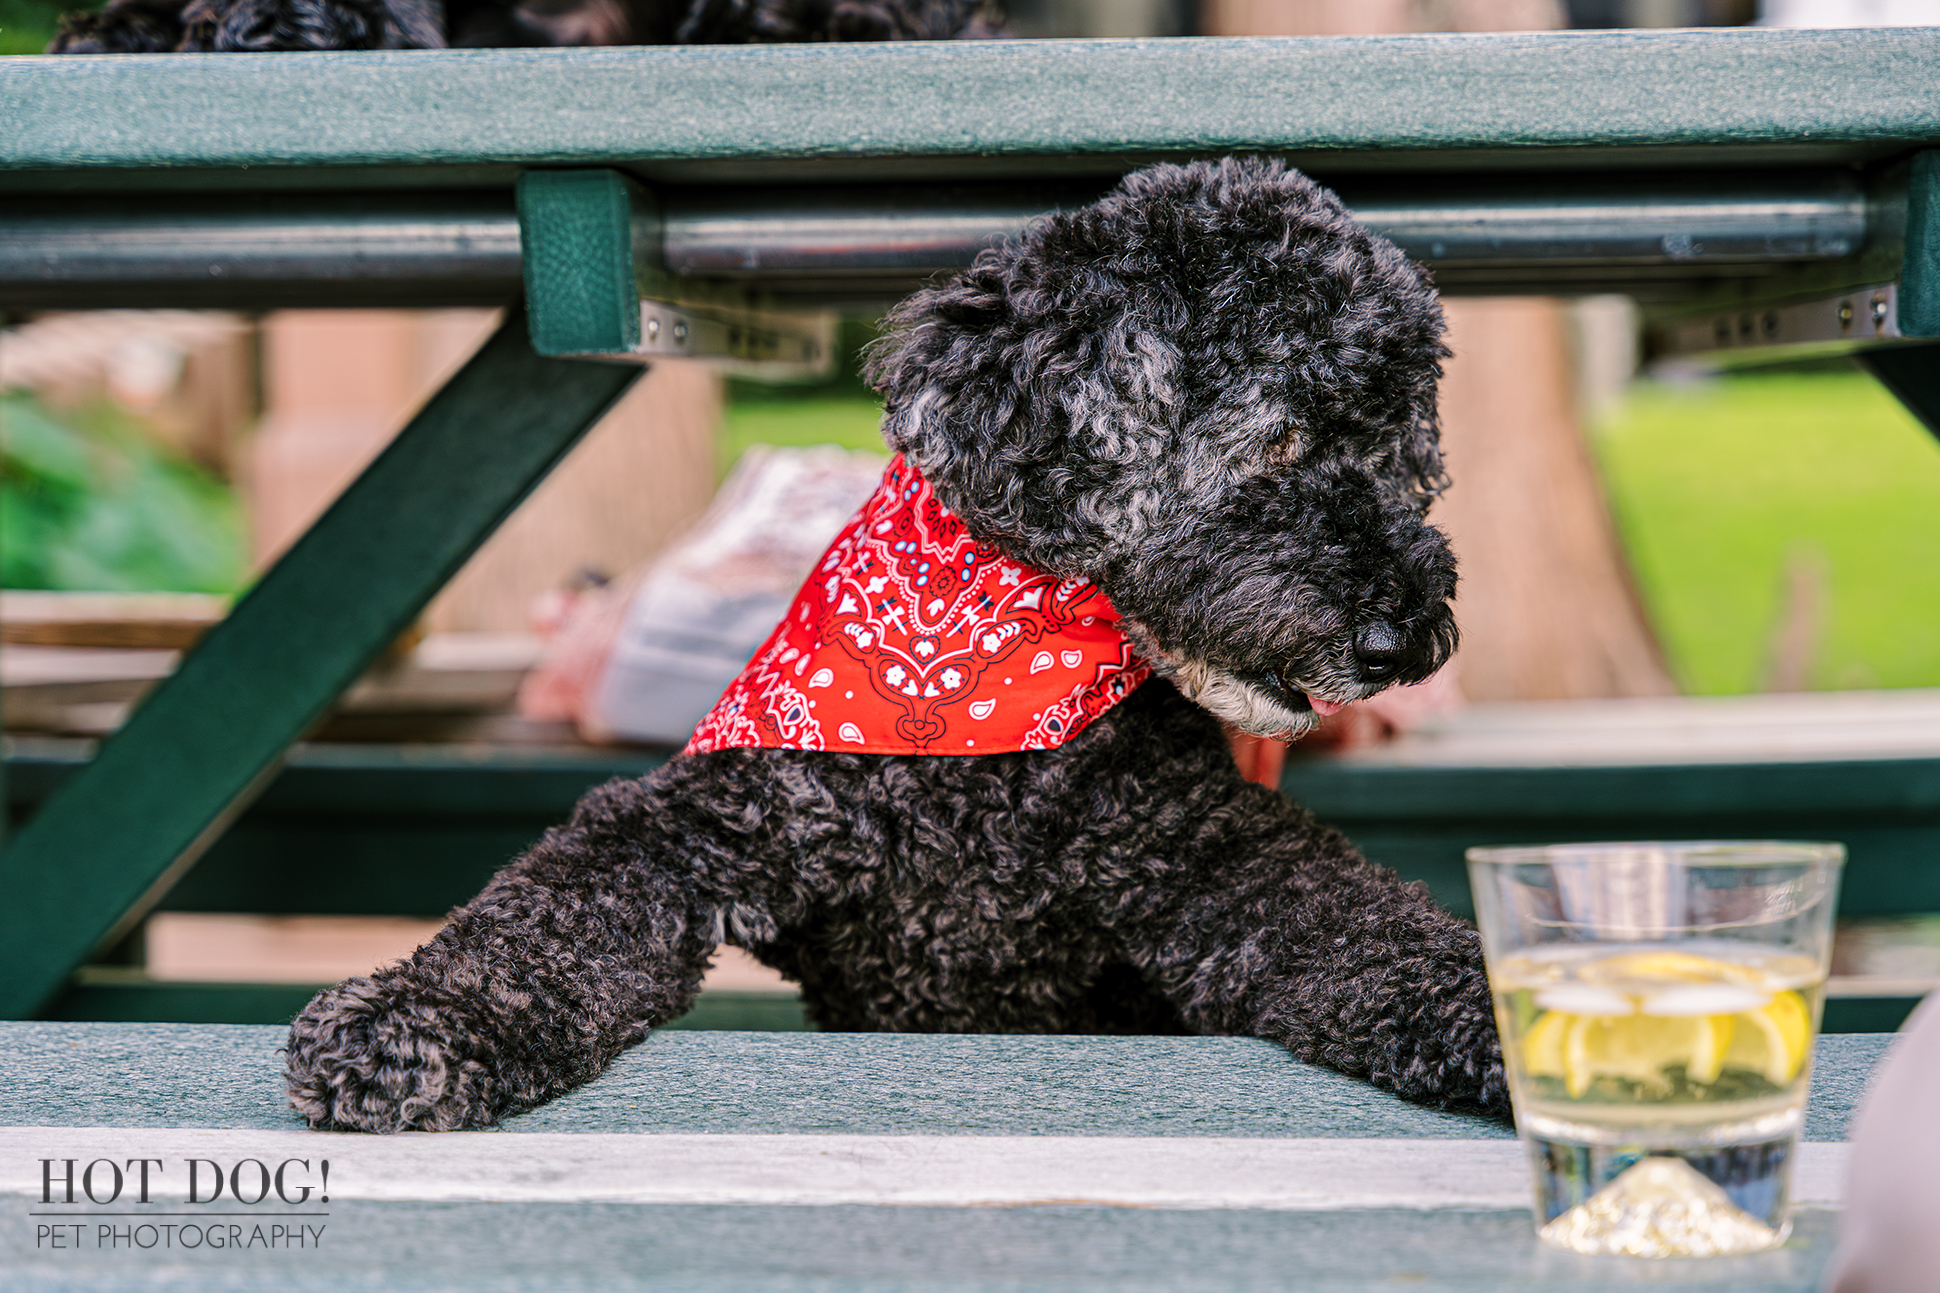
(841, 419)
(27, 25)
(1717, 486)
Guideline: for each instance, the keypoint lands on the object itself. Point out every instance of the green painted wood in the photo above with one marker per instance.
(744, 1012)
(1867, 1014)
(501, 1248)
(1420, 820)
(162, 1001)
(1340, 790)
(431, 780)
(1919, 295)
(1891, 870)
(188, 1003)
(402, 830)
(1912, 373)
(111, 834)
(376, 867)
(576, 244)
(416, 830)
(1019, 107)
(55, 1075)
(229, 1076)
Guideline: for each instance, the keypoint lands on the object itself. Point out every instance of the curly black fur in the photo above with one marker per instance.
(1212, 392)
(217, 26)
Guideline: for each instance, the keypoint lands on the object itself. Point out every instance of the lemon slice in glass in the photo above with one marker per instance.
(1542, 1046)
(1665, 966)
(1772, 1040)
(1640, 1048)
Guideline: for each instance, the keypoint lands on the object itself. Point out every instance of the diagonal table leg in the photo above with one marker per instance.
(111, 841)
(1913, 374)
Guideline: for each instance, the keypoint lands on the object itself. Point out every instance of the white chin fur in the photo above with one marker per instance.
(1239, 703)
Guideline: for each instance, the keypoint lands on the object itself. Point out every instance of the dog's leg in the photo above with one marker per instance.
(1265, 923)
(600, 932)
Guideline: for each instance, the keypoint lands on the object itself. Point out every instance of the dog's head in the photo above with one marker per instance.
(1213, 393)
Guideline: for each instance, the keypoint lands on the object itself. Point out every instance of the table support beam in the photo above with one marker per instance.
(108, 844)
(1912, 373)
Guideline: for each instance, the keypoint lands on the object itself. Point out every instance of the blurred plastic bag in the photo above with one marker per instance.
(644, 658)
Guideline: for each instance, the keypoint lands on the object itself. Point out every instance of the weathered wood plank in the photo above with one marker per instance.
(846, 1113)
(679, 113)
(1272, 1173)
(500, 1248)
(230, 1076)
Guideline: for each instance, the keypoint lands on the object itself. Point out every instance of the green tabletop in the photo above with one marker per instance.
(830, 1161)
(840, 112)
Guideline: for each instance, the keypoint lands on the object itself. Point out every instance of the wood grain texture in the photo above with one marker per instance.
(1373, 102)
(1173, 1097)
(1278, 1174)
(229, 1076)
(518, 1248)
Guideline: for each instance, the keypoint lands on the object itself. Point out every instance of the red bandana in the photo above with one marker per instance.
(913, 638)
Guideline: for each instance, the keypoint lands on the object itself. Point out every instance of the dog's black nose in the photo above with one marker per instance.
(1379, 649)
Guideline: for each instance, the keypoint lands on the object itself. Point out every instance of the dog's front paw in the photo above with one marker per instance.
(363, 1056)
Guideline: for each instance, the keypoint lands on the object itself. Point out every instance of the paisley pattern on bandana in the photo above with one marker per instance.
(912, 638)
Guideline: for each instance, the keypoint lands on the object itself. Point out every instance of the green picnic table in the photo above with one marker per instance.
(776, 1161)
(1756, 189)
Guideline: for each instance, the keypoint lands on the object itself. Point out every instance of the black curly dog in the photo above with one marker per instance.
(222, 26)
(1212, 393)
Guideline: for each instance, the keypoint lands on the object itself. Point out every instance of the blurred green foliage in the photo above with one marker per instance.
(1723, 489)
(838, 408)
(87, 502)
(846, 420)
(27, 25)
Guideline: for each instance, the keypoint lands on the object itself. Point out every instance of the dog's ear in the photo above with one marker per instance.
(1199, 325)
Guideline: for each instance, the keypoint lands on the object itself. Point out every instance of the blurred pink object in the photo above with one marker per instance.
(579, 628)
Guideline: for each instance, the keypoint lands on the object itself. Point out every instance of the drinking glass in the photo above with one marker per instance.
(1657, 1004)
